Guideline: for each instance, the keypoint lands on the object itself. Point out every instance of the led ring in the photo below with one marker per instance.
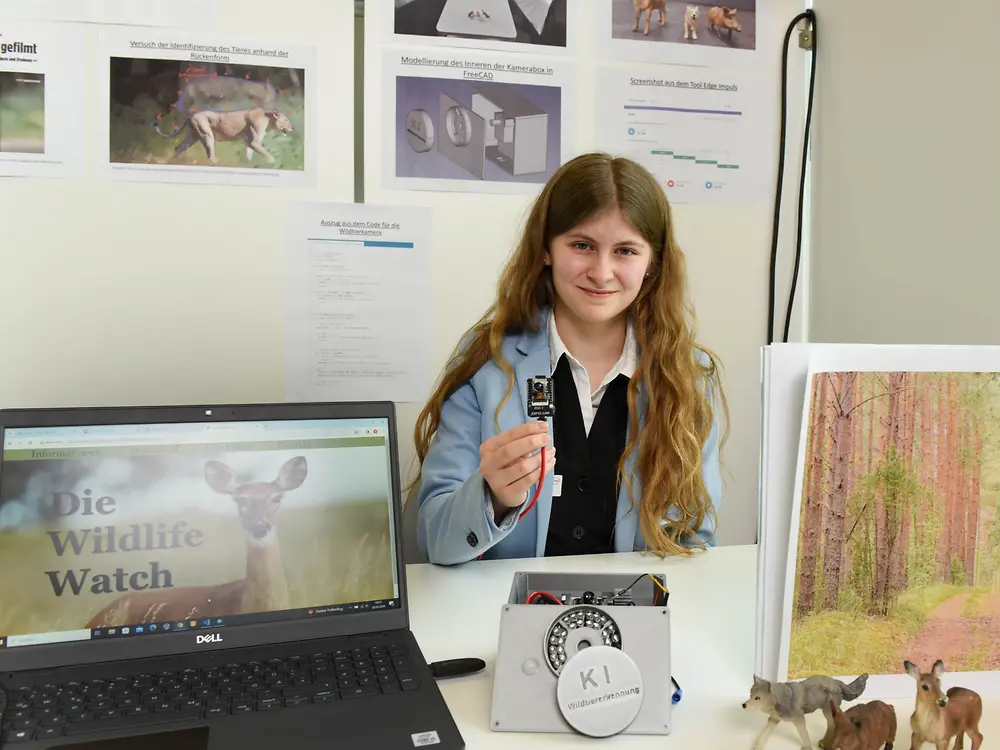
(578, 628)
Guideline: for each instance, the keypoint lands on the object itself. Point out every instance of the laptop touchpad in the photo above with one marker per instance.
(184, 739)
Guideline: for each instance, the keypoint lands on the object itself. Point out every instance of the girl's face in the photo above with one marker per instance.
(598, 267)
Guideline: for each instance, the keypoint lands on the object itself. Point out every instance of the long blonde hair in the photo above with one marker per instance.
(680, 390)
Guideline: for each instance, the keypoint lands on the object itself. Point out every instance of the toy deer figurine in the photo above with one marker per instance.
(939, 716)
(866, 726)
(265, 587)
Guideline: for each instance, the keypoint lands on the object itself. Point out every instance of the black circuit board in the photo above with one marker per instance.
(596, 598)
(541, 399)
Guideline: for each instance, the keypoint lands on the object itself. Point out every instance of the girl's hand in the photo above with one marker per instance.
(511, 463)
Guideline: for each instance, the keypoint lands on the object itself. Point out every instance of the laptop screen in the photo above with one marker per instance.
(145, 530)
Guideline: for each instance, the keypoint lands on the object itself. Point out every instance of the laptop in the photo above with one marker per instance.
(207, 577)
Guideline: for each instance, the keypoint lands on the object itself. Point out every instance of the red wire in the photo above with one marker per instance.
(538, 487)
(538, 595)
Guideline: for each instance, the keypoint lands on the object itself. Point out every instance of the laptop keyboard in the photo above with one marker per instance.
(75, 708)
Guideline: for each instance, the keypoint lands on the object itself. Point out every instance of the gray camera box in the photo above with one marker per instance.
(524, 683)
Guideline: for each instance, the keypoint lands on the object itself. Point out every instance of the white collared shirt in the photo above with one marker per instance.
(589, 401)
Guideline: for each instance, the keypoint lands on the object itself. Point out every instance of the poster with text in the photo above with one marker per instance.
(41, 98)
(533, 26)
(705, 135)
(194, 108)
(679, 32)
(474, 122)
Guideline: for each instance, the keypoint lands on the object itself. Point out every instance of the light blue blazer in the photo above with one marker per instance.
(453, 523)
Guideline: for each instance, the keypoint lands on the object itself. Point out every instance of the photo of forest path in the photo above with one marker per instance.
(899, 531)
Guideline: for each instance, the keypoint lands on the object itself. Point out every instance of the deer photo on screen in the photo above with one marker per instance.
(168, 532)
(265, 587)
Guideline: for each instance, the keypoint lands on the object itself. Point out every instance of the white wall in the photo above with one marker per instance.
(905, 182)
(727, 250)
(128, 293)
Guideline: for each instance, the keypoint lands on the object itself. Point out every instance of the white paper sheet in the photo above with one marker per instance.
(358, 309)
(200, 13)
(874, 359)
(704, 134)
(473, 122)
(41, 98)
(208, 94)
(484, 24)
(676, 38)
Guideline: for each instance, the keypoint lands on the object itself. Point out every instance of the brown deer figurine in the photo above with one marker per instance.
(264, 588)
(866, 726)
(939, 716)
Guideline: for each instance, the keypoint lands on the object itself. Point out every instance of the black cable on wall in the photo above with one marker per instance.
(811, 17)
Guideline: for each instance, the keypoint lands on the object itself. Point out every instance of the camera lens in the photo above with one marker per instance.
(539, 387)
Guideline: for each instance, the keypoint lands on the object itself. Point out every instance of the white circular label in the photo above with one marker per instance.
(599, 691)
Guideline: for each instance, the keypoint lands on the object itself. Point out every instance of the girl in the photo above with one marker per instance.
(593, 297)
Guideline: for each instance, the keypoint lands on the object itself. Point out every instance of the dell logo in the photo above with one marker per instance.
(213, 638)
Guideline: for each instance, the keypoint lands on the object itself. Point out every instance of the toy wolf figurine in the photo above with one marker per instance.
(791, 701)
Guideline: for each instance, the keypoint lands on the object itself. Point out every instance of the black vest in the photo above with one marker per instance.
(583, 516)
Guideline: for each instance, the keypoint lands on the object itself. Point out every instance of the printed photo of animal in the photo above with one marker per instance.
(691, 14)
(647, 7)
(722, 18)
(792, 701)
(232, 111)
(939, 716)
(247, 125)
(730, 26)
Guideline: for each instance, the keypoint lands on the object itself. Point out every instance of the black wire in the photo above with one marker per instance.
(656, 590)
(811, 16)
(629, 587)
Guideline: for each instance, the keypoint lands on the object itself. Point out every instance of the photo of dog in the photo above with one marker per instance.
(792, 701)
(237, 116)
(648, 7)
(731, 26)
(691, 14)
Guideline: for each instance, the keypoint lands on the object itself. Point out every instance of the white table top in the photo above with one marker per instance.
(455, 613)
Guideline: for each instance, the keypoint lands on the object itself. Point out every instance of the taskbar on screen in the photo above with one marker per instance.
(193, 623)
